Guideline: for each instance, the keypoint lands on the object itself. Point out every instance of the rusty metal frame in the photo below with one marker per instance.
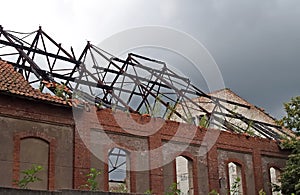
(126, 84)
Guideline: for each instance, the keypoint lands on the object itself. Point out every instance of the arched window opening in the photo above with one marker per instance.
(118, 170)
(184, 175)
(34, 151)
(235, 178)
(275, 183)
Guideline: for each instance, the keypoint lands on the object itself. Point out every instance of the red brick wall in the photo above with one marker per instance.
(20, 119)
(226, 141)
(132, 136)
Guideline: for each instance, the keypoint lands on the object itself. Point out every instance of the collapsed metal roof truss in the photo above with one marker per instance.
(135, 84)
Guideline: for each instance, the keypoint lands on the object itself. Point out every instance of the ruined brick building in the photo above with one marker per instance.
(38, 128)
(84, 116)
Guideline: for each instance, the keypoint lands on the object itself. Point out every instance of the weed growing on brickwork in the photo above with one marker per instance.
(60, 91)
(262, 192)
(235, 188)
(213, 192)
(204, 122)
(249, 130)
(91, 182)
(148, 192)
(173, 190)
(30, 176)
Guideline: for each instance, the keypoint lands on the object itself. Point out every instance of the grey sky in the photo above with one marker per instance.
(256, 43)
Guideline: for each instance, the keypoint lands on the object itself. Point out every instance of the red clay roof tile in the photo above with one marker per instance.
(14, 83)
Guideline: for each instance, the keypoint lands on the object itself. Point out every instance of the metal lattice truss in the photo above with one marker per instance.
(135, 84)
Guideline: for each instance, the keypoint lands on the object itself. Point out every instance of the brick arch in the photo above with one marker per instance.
(34, 134)
(187, 155)
(275, 166)
(242, 165)
(132, 162)
(190, 157)
(119, 145)
(51, 158)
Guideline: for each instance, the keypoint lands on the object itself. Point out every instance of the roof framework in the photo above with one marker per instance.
(134, 84)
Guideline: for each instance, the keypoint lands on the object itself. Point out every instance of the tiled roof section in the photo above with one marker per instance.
(14, 83)
(242, 100)
(268, 118)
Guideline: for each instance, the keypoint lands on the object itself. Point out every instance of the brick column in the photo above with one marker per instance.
(82, 155)
(155, 160)
(195, 176)
(257, 169)
(213, 174)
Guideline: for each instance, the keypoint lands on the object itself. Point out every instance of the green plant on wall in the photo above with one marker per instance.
(91, 181)
(262, 192)
(173, 190)
(30, 176)
(249, 129)
(148, 192)
(213, 192)
(235, 187)
(59, 91)
(204, 122)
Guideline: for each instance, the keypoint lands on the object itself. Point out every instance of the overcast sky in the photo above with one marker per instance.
(255, 43)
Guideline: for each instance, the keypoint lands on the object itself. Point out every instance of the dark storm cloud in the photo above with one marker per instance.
(255, 43)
